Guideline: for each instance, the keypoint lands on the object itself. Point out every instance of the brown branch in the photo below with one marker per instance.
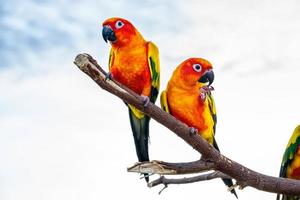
(162, 180)
(203, 177)
(243, 175)
(166, 168)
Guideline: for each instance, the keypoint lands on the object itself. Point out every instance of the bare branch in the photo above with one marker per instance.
(243, 175)
(203, 177)
(166, 168)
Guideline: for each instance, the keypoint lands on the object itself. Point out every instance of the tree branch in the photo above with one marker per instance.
(186, 180)
(243, 175)
(166, 168)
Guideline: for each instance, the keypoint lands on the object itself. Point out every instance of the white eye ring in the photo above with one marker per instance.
(119, 24)
(197, 67)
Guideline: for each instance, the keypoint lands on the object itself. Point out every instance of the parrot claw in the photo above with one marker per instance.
(205, 90)
(193, 131)
(146, 100)
(107, 76)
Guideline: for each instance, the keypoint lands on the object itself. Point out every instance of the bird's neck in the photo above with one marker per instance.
(183, 88)
(179, 83)
(135, 41)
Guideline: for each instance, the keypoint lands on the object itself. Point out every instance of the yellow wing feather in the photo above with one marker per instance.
(164, 101)
(294, 137)
(154, 65)
(213, 110)
(111, 58)
(212, 105)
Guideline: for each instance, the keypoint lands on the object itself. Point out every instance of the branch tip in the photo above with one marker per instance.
(165, 187)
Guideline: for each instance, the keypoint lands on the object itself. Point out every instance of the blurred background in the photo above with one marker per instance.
(61, 137)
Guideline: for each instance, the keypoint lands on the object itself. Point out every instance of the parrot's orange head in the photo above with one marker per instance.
(119, 31)
(196, 71)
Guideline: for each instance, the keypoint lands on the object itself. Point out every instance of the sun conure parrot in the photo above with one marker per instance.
(134, 62)
(290, 165)
(188, 98)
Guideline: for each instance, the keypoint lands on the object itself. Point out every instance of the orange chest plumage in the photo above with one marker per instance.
(130, 67)
(188, 108)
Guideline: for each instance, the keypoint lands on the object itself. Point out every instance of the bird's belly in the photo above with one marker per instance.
(194, 115)
(132, 77)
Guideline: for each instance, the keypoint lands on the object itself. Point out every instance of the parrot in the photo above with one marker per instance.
(134, 62)
(188, 98)
(290, 165)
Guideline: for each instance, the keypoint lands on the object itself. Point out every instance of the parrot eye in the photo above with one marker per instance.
(197, 67)
(119, 24)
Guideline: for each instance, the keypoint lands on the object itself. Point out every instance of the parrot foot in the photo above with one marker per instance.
(193, 131)
(146, 100)
(108, 76)
(205, 90)
(241, 186)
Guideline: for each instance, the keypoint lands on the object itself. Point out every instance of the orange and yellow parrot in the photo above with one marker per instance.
(290, 165)
(134, 62)
(188, 98)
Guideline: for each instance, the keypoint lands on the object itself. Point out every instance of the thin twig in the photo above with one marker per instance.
(187, 180)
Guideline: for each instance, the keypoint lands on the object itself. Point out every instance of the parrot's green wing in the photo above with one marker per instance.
(164, 102)
(287, 159)
(154, 66)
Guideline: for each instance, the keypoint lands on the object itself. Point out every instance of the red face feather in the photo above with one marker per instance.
(193, 68)
(123, 29)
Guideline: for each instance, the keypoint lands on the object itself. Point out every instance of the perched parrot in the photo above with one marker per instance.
(188, 98)
(134, 62)
(290, 165)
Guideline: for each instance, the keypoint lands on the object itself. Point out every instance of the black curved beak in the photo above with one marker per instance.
(108, 34)
(209, 77)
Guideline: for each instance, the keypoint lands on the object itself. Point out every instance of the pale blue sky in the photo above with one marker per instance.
(57, 126)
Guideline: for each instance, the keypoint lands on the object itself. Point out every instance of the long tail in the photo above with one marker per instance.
(140, 130)
(227, 181)
(278, 197)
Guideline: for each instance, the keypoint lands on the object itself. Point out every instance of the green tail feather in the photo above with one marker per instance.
(227, 181)
(140, 130)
